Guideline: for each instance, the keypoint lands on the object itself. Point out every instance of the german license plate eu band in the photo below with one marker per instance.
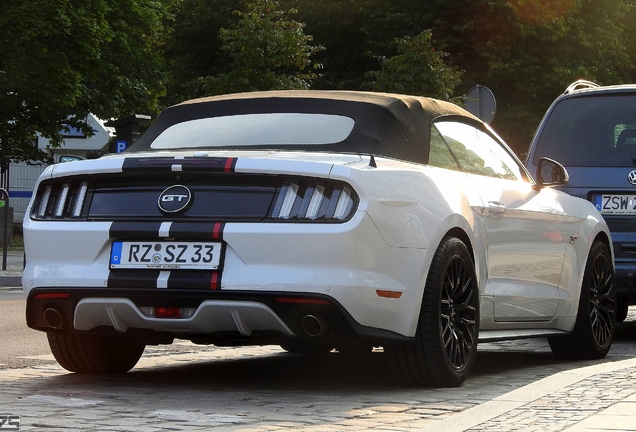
(166, 255)
(615, 204)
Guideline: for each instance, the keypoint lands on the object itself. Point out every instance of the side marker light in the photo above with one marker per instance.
(389, 294)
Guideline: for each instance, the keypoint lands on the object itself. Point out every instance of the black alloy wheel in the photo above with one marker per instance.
(445, 345)
(602, 300)
(593, 331)
(457, 313)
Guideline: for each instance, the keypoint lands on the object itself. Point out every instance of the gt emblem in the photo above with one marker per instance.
(632, 177)
(174, 199)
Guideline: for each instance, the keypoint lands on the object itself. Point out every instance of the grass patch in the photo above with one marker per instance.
(16, 244)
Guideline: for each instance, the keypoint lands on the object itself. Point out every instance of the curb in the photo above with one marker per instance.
(10, 283)
(473, 417)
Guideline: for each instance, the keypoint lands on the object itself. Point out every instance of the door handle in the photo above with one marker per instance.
(495, 208)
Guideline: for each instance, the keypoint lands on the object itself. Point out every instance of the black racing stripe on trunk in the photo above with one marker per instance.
(137, 165)
(195, 279)
(133, 278)
(129, 163)
(198, 164)
(197, 231)
(138, 230)
(187, 164)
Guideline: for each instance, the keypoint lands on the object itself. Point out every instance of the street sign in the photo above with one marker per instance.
(120, 146)
(480, 101)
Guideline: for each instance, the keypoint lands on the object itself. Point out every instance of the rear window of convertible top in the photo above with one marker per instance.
(256, 130)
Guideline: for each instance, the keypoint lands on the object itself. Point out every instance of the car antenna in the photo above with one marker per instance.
(372, 162)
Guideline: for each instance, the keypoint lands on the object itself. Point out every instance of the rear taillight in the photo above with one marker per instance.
(304, 201)
(60, 200)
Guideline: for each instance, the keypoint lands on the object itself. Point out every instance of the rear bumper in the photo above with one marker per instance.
(624, 241)
(348, 263)
(221, 318)
(626, 281)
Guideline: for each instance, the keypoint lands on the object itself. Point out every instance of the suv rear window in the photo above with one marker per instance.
(594, 131)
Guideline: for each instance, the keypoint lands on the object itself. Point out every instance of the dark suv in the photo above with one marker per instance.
(591, 130)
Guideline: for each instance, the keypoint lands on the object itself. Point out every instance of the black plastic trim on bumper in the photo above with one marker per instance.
(626, 281)
(342, 327)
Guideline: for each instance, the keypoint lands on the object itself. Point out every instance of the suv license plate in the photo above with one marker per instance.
(610, 204)
(165, 255)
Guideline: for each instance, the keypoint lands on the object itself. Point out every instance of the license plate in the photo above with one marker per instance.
(611, 204)
(163, 255)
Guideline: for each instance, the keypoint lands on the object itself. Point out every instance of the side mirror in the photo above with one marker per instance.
(550, 173)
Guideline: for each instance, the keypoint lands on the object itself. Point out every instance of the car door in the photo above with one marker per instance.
(526, 231)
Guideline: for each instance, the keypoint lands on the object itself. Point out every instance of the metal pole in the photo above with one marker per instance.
(5, 240)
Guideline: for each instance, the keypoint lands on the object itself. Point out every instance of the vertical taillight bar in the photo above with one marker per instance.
(61, 201)
(314, 204)
(288, 201)
(343, 206)
(44, 201)
(79, 200)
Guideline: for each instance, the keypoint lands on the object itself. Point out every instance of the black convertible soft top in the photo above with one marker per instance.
(391, 125)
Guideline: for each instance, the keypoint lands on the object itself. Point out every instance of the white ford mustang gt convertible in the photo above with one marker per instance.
(315, 220)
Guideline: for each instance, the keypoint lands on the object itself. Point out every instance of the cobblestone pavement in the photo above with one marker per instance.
(187, 387)
(568, 406)
(515, 385)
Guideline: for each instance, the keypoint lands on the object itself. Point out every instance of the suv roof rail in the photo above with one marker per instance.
(580, 84)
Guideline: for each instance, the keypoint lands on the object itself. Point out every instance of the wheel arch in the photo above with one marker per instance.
(427, 360)
(463, 236)
(604, 238)
(579, 255)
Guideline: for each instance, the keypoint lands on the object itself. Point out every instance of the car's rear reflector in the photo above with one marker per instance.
(52, 295)
(168, 312)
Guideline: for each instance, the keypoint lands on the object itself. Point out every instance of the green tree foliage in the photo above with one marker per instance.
(193, 46)
(394, 19)
(417, 69)
(61, 59)
(266, 50)
(359, 34)
(527, 52)
(338, 26)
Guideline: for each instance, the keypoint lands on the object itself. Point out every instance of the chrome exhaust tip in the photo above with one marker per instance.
(313, 326)
(53, 318)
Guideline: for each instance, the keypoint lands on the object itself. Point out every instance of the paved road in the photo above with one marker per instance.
(187, 387)
(19, 345)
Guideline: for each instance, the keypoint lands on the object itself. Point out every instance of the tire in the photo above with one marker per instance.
(593, 331)
(93, 354)
(445, 344)
(622, 307)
